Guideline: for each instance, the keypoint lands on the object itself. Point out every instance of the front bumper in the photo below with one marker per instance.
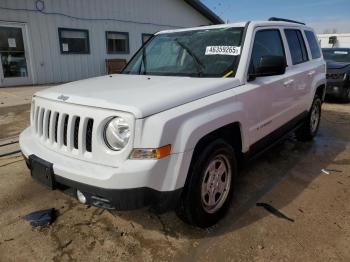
(134, 184)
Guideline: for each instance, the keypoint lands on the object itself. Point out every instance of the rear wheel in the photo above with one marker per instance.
(209, 187)
(311, 124)
(346, 95)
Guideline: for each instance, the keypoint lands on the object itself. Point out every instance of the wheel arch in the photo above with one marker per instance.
(230, 133)
(321, 91)
(318, 88)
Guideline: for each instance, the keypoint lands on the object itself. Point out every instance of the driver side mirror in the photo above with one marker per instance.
(269, 66)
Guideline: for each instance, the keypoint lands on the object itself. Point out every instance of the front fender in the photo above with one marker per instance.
(184, 126)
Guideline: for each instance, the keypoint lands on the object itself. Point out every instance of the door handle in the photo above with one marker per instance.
(288, 82)
(311, 73)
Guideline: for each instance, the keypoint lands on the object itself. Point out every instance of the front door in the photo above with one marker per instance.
(268, 97)
(14, 55)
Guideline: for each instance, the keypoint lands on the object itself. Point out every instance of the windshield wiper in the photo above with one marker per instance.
(143, 62)
(199, 64)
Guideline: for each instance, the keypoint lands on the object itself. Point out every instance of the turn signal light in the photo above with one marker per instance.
(150, 153)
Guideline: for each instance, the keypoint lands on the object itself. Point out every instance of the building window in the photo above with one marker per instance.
(117, 42)
(145, 37)
(74, 41)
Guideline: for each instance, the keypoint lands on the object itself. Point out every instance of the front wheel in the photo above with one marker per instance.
(311, 124)
(209, 187)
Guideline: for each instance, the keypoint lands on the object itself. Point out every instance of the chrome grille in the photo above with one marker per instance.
(335, 76)
(63, 129)
(75, 131)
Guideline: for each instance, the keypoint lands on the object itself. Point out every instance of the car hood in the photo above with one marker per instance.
(138, 94)
(336, 65)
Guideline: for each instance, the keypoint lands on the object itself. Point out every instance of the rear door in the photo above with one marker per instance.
(301, 68)
(317, 64)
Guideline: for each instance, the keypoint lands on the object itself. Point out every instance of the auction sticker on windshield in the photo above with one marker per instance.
(222, 50)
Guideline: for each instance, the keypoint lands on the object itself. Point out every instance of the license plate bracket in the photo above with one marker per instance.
(42, 171)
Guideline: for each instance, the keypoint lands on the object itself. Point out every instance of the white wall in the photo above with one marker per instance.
(343, 40)
(50, 66)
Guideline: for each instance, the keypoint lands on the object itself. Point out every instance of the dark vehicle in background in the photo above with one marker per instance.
(338, 72)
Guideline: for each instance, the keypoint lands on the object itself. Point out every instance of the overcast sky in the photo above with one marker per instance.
(322, 15)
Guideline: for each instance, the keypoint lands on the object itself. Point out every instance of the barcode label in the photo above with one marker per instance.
(223, 50)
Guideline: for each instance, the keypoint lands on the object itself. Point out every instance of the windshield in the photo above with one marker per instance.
(197, 53)
(337, 55)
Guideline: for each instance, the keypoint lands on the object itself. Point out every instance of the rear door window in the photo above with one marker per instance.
(296, 46)
(315, 49)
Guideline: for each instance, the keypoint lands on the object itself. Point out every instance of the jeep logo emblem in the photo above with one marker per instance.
(63, 98)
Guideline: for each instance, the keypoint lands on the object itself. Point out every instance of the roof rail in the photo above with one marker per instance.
(285, 20)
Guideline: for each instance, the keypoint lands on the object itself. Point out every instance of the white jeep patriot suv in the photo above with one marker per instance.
(170, 131)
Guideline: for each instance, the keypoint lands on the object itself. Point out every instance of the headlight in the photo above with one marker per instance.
(116, 133)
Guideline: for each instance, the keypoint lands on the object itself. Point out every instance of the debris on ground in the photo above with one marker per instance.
(325, 171)
(328, 171)
(274, 211)
(334, 170)
(66, 244)
(260, 247)
(41, 218)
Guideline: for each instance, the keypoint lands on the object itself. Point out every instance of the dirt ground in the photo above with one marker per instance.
(288, 177)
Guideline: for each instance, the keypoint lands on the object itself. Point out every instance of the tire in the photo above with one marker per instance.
(346, 96)
(311, 124)
(207, 194)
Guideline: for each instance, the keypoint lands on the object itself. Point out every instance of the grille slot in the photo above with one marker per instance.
(48, 124)
(56, 126)
(36, 121)
(88, 136)
(65, 129)
(76, 133)
(41, 121)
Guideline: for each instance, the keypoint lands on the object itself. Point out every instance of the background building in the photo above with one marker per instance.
(334, 40)
(51, 41)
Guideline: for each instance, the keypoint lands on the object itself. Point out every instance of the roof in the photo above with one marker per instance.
(205, 11)
(238, 24)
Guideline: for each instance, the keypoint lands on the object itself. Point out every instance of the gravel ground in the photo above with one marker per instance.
(288, 177)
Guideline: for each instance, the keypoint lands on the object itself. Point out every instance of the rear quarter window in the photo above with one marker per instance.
(314, 48)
